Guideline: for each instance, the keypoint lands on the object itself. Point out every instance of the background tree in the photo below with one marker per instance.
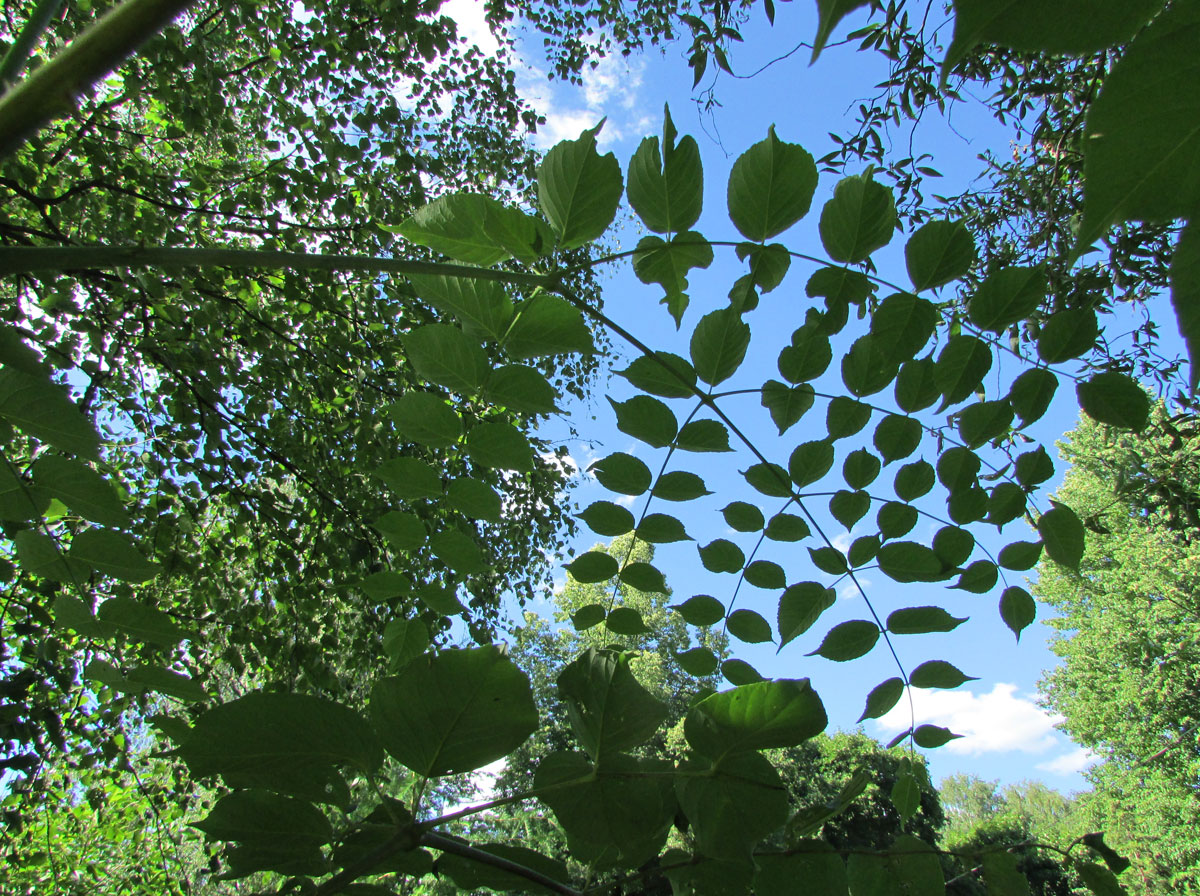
(1127, 634)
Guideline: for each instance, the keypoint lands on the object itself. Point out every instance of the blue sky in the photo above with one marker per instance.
(1007, 735)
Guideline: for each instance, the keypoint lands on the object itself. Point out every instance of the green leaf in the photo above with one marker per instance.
(481, 306)
(699, 661)
(909, 561)
(863, 550)
(938, 674)
(1031, 394)
(666, 187)
(606, 518)
(930, 737)
(815, 862)
(475, 499)
(578, 189)
(953, 545)
(849, 507)
(939, 252)
(882, 698)
(20, 500)
(787, 404)
(1068, 26)
(499, 446)
(1185, 294)
(426, 418)
(846, 417)
(661, 528)
(739, 673)
(734, 805)
(895, 520)
(521, 389)
(410, 479)
(743, 517)
(443, 354)
(476, 229)
(1067, 334)
(748, 626)
(679, 485)
(73, 613)
(608, 709)
(1002, 875)
(626, 621)
(829, 560)
(978, 578)
(701, 610)
(404, 531)
(288, 743)
(1140, 136)
(719, 345)
(1017, 609)
(667, 263)
(761, 716)
(787, 527)
(594, 566)
(906, 796)
(703, 436)
(458, 551)
(958, 468)
(259, 816)
(922, 620)
(771, 187)
(1099, 879)
(810, 461)
(169, 683)
(1007, 296)
(622, 473)
(1063, 536)
(43, 410)
(914, 480)
(902, 325)
(404, 639)
(860, 218)
(829, 13)
(800, 607)
(866, 368)
(588, 616)
(806, 358)
(961, 367)
(897, 437)
(1115, 399)
(663, 374)
(81, 488)
(918, 385)
(646, 419)
(140, 620)
(848, 641)
(644, 577)
(454, 712)
(768, 264)
(860, 468)
(1020, 555)
(1034, 467)
(769, 479)
(722, 555)
(1005, 503)
(113, 554)
(547, 325)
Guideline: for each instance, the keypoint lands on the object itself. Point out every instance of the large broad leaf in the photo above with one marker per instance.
(961, 367)
(622, 473)
(860, 218)
(547, 325)
(444, 355)
(621, 809)
(288, 743)
(609, 710)
(140, 620)
(814, 862)
(20, 500)
(481, 306)
(1141, 142)
(668, 262)
(579, 189)
(520, 388)
(732, 806)
(1051, 26)
(410, 478)
(771, 187)
(500, 446)
(1185, 293)
(663, 374)
(666, 185)
(800, 606)
(114, 554)
(718, 345)
(910, 561)
(82, 489)
(939, 252)
(829, 13)
(1007, 296)
(426, 418)
(646, 419)
(1115, 399)
(902, 324)
(43, 410)
(759, 716)
(476, 229)
(259, 816)
(454, 712)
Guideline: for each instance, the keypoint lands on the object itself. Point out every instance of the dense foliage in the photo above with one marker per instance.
(254, 504)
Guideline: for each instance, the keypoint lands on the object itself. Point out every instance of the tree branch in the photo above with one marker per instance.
(22, 48)
(458, 848)
(52, 91)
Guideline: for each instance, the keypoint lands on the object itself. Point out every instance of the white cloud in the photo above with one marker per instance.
(468, 16)
(850, 590)
(609, 91)
(1000, 721)
(1069, 763)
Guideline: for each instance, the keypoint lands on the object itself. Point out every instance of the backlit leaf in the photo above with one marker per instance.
(770, 187)
(719, 345)
(748, 626)
(800, 607)
(939, 252)
(444, 355)
(578, 189)
(622, 473)
(646, 419)
(1006, 296)
(848, 641)
(1115, 399)
(860, 218)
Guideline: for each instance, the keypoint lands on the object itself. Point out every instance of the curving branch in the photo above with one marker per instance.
(52, 91)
